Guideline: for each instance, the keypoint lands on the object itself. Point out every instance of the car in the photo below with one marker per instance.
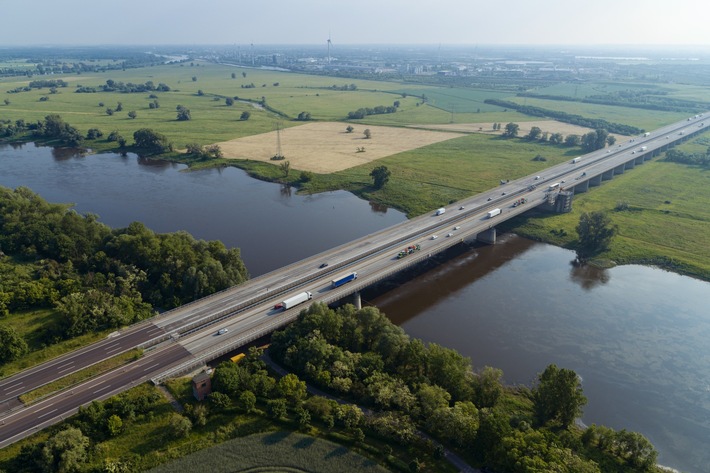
(461, 208)
(456, 227)
(503, 193)
(222, 331)
(278, 306)
(562, 182)
(434, 237)
(537, 178)
(608, 151)
(449, 234)
(323, 265)
(490, 198)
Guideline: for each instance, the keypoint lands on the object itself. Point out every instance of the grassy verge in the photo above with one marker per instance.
(79, 376)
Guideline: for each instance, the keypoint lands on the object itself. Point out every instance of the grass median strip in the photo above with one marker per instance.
(82, 375)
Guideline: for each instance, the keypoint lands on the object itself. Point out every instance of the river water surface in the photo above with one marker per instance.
(637, 336)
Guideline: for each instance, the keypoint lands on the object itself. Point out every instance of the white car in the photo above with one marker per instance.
(537, 177)
(449, 234)
(434, 237)
(222, 331)
(456, 227)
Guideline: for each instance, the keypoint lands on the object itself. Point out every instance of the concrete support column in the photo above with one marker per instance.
(608, 176)
(487, 236)
(581, 187)
(357, 301)
(629, 165)
(596, 181)
(619, 170)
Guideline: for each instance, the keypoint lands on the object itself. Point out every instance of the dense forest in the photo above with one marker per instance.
(96, 277)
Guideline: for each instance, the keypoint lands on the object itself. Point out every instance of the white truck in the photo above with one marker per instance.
(576, 160)
(493, 213)
(646, 134)
(295, 300)
(440, 211)
(643, 148)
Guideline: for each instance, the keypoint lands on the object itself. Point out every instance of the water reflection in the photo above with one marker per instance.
(378, 208)
(63, 154)
(587, 276)
(286, 190)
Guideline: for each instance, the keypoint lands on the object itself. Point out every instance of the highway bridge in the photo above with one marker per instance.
(184, 339)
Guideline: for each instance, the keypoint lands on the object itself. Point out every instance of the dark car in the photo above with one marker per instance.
(323, 265)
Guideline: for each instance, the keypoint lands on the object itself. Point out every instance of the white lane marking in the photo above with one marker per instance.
(16, 389)
(71, 367)
(47, 413)
(115, 349)
(102, 389)
(151, 367)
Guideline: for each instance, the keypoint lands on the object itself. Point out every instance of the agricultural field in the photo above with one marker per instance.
(271, 452)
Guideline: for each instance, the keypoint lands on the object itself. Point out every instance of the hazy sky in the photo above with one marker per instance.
(354, 22)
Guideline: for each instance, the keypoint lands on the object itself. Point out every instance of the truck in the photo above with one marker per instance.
(646, 134)
(553, 186)
(493, 213)
(643, 148)
(440, 211)
(295, 300)
(339, 281)
(576, 160)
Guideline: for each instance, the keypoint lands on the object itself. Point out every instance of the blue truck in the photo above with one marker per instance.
(343, 279)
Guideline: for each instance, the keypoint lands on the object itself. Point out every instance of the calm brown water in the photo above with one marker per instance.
(638, 336)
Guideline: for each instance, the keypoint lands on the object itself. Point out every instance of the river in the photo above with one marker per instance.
(637, 336)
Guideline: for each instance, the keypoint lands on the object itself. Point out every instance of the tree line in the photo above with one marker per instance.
(96, 277)
(595, 123)
(649, 99)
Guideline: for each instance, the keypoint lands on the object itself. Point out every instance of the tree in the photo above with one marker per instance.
(558, 396)
(511, 130)
(151, 141)
(573, 140)
(285, 167)
(244, 74)
(114, 424)
(183, 113)
(304, 117)
(220, 399)
(194, 78)
(381, 176)
(7, 101)
(132, 114)
(349, 129)
(245, 116)
(247, 401)
(119, 107)
(610, 140)
(292, 388)
(556, 138)
(66, 451)
(535, 133)
(277, 408)
(179, 426)
(367, 133)
(229, 101)
(12, 345)
(487, 387)
(595, 232)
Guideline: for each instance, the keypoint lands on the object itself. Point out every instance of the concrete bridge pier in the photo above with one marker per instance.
(608, 176)
(619, 169)
(641, 159)
(629, 164)
(357, 300)
(488, 236)
(581, 187)
(596, 181)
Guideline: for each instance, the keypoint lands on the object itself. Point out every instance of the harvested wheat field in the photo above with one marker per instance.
(326, 147)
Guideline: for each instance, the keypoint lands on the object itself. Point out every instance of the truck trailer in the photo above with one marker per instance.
(295, 300)
(493, 213)
(440, 211)
(576, 160)
(343, 279)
